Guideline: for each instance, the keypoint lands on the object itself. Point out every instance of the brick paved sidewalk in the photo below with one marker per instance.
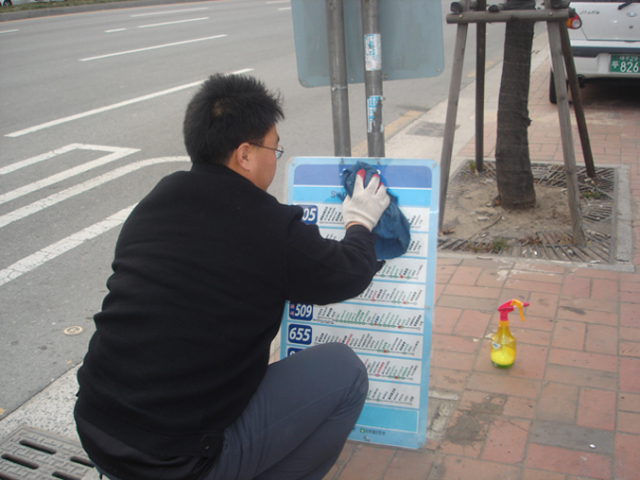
(569, 409)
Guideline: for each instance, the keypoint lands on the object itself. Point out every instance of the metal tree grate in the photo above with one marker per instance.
(597, 218)
(30, 454)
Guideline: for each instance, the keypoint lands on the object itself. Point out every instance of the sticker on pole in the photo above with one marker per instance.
(374, 107)
(389, 324)
(372, 52)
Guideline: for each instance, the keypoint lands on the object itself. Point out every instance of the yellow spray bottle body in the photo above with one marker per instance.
(503, 343)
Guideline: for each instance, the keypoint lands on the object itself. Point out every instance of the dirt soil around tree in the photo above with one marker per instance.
(476, 214)
(474, 221)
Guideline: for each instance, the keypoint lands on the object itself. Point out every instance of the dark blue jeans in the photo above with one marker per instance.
(296, 424)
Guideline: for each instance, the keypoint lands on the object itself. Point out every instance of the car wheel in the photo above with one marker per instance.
(552, 88)
(7, 3)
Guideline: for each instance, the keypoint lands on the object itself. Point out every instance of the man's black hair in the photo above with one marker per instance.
(228, 111)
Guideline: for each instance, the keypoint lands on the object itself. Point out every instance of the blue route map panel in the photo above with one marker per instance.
(389, 324)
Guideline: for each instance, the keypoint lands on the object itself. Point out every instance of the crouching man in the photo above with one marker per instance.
(176, 382)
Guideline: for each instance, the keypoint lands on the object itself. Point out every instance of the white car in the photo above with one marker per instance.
(605, 41)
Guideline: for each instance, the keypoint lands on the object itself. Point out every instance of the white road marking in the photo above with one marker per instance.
(155, 47)
(115, 30)
(173, 23)
(285, 8)
(116, 154)
(77, 116)
(58, 197)
(240, 72)
(169, 12)
(102, 109)
(9, 31)
(52, 251)
(39, 158)
(42, 256)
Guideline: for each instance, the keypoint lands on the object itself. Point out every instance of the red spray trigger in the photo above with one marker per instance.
(507, 307)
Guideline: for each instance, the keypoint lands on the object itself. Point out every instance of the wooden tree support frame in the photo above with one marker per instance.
(560, 48)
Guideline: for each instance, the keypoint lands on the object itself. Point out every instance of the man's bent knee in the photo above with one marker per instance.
(344, 365)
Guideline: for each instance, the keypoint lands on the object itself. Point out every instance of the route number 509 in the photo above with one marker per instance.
(300, 334)
(300, 311)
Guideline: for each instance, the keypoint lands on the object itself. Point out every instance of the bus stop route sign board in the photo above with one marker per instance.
(411, 40)
(389, 324)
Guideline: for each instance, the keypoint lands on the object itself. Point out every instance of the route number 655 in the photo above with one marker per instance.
(300, 334)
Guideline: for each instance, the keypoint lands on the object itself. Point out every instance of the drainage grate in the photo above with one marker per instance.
(30, 454)
(548, 242)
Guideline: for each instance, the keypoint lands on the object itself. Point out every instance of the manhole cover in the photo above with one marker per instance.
(30, 454)
(473, 224)
(73, 331)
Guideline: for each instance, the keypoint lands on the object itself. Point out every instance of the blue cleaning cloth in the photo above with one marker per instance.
(392, 231)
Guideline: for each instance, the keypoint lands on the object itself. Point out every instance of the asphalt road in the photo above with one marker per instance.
(92, 107)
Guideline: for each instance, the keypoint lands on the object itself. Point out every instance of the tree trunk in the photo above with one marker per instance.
(513, 165)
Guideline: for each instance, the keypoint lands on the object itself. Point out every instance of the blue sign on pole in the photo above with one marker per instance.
(389, 324)
(410, 43)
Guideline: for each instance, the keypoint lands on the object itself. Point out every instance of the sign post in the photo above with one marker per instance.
(338, 78)
(373, 76)
(389, 324)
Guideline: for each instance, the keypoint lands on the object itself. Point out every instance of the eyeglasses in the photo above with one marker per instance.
(279, 151)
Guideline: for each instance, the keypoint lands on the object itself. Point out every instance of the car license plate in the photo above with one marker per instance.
(624, 64)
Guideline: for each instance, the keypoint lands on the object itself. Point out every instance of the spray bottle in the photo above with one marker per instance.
(503, 344)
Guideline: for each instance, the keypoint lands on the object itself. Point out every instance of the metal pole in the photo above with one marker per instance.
(555, 45)
(373, 76)
(481, 34)
(577, 101)
(338, 74)
(452, 113)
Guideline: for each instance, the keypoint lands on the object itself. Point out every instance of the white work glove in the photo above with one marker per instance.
(366, 205)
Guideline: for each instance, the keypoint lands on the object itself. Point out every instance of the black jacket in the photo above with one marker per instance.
(202, 269)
